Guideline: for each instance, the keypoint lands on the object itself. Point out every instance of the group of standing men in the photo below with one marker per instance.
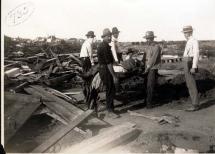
(108, 53)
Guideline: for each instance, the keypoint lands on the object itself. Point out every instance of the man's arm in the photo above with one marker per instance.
(90, 52)
(113, 50)
(110, 67)
(196, 54)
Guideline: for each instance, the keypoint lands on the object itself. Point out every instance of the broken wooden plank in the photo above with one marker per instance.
(18, 108)
(75, 59)
(61, 107)
(108, 139)
(57, 59)
(14, 72)
(73, 110)
(60, 134)
(36, 94)
(59, 94)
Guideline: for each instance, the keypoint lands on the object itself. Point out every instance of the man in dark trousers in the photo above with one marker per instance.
(190, 61)
(153, 60)
(106, 72)
(86, 56)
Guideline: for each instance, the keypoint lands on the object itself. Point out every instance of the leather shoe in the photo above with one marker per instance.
(192, 109)
(112, 115)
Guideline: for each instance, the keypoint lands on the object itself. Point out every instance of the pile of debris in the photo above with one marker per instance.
(46, 68)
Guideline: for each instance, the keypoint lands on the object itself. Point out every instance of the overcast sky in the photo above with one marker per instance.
(73, 18)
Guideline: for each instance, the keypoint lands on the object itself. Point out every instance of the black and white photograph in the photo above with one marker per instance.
(107, 76)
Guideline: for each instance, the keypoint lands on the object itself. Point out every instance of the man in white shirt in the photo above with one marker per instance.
(115, 45)
(190, 60)
(86, 56)
(86, 53)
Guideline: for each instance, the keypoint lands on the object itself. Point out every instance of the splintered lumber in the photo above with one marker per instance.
(14, 72)
(57, 60)
(18, 109)
(75, 59)
(60, 134)
(60, 79)
(108, 139)
(59, 94)
(59, 106)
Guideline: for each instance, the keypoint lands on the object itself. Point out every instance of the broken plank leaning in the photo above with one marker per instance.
(60, 134)
(59, 106)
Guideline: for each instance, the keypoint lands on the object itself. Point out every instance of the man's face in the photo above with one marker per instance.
(150, 39)
(91, 39)
(116, 35)
(187, 35)
(107, 38)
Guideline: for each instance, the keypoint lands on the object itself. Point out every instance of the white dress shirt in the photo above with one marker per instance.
(192, 50)
(87, 50)
(115, 48)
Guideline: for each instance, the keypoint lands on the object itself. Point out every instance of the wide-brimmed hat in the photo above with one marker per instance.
(91, 33)
(115, 30)
(106, 32)
(187, 29)
(149, 34)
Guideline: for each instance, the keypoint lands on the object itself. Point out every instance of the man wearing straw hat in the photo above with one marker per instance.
(86, 53)
(153, 60)
(190, 61)
(106, 72)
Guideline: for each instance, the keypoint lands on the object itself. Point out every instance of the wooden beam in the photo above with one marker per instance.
(113, 137)
(60, 134)
(61, 107)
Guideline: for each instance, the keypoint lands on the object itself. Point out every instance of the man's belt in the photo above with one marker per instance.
(187, 58)
(84, 58)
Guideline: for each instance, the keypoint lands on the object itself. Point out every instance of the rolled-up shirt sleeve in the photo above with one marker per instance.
(196, 53)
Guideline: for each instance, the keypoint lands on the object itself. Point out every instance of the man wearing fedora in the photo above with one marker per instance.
(115, 45)
(86, 53)
(86, 56)
(106, 72)
(190, 61)
(153, 60)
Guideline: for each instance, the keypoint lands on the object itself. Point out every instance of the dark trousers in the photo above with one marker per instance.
(119, 56)
(190, 81)
(150, 85)
(86, 65)
(107, 80)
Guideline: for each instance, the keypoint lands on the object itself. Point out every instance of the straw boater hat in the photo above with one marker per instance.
(149, 34)
(187, 29)
(115, 30)
(91, 33)
(106, 32)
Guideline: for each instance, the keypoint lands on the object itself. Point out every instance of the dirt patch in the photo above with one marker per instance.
(158, 141)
